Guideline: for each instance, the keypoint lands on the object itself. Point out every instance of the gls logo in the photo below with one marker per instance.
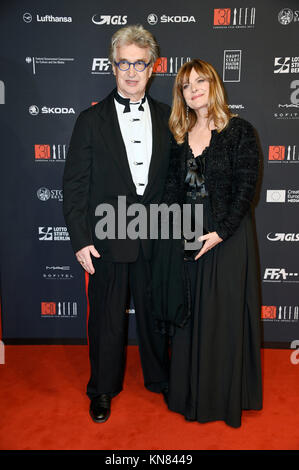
(108, 19)
(283, 237)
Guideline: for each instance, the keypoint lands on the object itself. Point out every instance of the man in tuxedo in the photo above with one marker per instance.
(119, 147)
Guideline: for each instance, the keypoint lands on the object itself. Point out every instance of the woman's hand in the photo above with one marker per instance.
(212, 239)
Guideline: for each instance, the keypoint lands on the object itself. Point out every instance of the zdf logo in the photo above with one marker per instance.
(108, 19)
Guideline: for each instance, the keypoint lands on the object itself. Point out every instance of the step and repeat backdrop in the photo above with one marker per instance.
(54, 64)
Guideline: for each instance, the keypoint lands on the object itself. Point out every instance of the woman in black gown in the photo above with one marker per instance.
(215, 354)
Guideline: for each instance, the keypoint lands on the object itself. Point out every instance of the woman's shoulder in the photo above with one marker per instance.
(238, 123)
(237, 128)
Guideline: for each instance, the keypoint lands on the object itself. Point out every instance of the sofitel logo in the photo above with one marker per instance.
(59, 309)
(234, 18)
(286, 313)
(57, 273)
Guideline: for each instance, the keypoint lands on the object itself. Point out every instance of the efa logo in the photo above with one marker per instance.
(59, 309)
(268, 311)
(276, 152)
(42, 152)
(234, 17)
(160, 66)
(48, 308)
(55, 152)
(222, 16)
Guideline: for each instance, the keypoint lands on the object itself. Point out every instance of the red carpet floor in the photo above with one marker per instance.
(44, 407)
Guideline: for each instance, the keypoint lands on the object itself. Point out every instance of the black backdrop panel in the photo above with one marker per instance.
(54, 63)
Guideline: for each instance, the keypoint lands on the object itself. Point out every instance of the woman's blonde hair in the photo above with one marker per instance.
(181, 121)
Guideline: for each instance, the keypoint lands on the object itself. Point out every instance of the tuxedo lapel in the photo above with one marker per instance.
(111, 135)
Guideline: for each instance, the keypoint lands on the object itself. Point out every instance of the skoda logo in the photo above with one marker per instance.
(152, 19)
(33, 110)
(27, 17)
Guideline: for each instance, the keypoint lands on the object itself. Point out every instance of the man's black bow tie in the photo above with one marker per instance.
(126, 102)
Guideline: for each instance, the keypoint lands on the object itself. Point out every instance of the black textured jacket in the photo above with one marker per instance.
(231, 175)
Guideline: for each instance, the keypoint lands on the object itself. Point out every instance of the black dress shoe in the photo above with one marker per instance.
(100, 408)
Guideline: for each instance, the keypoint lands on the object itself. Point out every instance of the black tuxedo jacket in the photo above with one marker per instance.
(97, 171)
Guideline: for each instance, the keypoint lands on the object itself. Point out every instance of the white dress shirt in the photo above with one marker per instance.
(136, 130)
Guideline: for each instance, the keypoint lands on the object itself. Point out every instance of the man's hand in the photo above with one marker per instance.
(212, 239)
(84, 258)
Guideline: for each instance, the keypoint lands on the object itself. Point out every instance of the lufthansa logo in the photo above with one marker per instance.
(27, 17)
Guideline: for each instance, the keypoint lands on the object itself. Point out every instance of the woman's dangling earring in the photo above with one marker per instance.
(187, 114)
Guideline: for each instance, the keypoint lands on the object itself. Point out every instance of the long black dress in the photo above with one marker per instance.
(215, 363)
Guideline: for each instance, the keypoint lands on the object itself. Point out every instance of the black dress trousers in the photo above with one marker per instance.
(108, 294)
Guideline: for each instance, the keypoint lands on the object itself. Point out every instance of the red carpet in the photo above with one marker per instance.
(44, 407)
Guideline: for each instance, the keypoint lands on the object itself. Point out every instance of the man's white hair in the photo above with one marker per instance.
(134, 34)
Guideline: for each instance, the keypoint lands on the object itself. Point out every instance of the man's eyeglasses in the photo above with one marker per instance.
(139, 65)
